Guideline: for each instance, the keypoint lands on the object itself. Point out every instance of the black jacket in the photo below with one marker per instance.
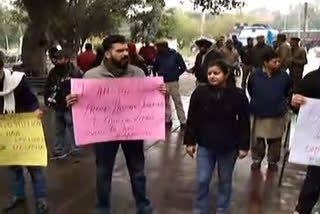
(25, 100)
(247, 56)
(310, 85)
(218, 119)
(58, 85)
(202, 68)
(258, 54)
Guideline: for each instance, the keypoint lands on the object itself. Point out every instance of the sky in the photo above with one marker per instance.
(282, 5)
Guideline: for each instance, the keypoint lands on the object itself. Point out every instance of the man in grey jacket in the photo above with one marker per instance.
(116, 65)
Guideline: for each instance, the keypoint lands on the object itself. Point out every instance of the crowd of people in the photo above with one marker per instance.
(222, 123)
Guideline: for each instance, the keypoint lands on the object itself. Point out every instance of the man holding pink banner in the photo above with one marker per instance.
(115, 112)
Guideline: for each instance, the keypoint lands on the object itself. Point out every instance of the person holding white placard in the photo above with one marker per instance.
(309, 195)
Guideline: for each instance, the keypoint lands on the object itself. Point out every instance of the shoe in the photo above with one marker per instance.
(13, 204)
(41, 206)
(76, 152)
(58, 156)
(273, 167)
(256, 165)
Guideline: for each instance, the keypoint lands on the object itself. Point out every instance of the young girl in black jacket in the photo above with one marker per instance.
(218, 127)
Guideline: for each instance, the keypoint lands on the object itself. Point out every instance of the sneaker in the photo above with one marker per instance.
(58, 156)
(76, 152)
(256, 165)
(41, 206)
(14, 203)
(273, 167)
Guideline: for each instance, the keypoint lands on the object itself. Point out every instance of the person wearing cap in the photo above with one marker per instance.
(297, 61)
(283, 50)
(17, 97)
(170, 65)
(58, 86)
(237, 44)
(247, 60)
(231, 56)
(204, 45)
(259, 51)
(207, 54)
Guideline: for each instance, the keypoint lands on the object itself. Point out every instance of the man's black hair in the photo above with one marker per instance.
(113, 39)
(88, 46)
(269, 55)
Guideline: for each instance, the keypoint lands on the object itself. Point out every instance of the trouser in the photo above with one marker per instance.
(258, 149)
(64, 132)
(105, 159)
(38, 179)
(309, 194)
(168, 109)
(206, 162)
(173, 91)
(296, 76)
(246, 72)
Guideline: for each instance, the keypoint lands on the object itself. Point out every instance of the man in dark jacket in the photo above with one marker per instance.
(269, 88)
(170, 64)
(22, 100)
(237, 44)
(259, 51)
(297, 61)
(309, 195)
(207, 54)
(204, 46)
(58, 86)
(247, 60)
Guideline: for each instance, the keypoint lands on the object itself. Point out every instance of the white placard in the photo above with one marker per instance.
(305, 147)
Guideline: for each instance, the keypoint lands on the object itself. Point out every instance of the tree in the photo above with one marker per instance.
(72, 21)
(218, 6)
(146, 20)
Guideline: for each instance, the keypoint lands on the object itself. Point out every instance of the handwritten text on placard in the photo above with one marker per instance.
(22, 140)
(306, 139)
(118, 109)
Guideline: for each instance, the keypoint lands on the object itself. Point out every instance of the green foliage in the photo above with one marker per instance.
(222, 24)
(11, 27)
(185, 26)
(218, 6)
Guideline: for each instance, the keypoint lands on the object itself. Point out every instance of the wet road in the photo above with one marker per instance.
(170, 176)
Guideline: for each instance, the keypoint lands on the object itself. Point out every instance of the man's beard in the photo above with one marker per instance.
(123, 63)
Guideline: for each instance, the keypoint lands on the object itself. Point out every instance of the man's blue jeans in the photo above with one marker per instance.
(65, 142)
(38, 177)
(105, 159)
(206, 162)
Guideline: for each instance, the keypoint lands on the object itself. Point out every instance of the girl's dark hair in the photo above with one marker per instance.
(226, 69)
(269, 55)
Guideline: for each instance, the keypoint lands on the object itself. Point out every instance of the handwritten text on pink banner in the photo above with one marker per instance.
(118, 109)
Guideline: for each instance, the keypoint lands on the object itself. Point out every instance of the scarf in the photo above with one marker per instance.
(10, 83)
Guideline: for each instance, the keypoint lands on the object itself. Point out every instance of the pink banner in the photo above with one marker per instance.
(118, 109)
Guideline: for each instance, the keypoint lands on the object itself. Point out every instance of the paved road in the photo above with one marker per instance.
(170, 176)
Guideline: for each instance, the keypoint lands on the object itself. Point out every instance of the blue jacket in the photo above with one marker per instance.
(269, 96)
(170, 66)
